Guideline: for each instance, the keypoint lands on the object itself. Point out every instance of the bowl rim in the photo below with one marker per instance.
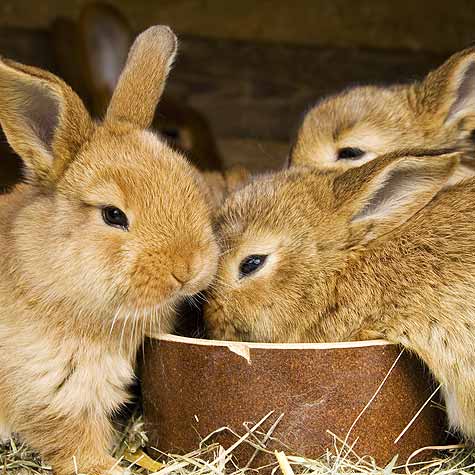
(236, 345)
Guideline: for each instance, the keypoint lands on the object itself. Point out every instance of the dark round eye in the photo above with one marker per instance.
(350, 153)
(250, 264)
(115, 217)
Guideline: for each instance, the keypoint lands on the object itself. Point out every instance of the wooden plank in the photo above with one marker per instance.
(27, 46)
(254, 154)
(436, 25)
(250, 89)
(262, 90)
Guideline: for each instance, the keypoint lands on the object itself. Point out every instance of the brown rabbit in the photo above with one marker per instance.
(108, 235)
(362, 123)
(384, 250)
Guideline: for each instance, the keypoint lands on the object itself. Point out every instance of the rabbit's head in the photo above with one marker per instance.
(353, 127)
(113, 217)
(288, 238)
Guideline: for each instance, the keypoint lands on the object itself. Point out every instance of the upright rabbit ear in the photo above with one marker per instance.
(382, 194)
(143, 79)
(449, 91)
(44, 121)
(105, 37)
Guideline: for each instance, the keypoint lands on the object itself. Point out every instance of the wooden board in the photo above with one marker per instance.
(262, 90)
(436, 25)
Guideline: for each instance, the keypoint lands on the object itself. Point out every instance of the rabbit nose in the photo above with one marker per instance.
(178, 279)
(182, 273)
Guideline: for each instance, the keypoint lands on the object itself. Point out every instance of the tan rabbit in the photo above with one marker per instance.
(110, 232)
(361, 123)
(379, 251)
(223, 183)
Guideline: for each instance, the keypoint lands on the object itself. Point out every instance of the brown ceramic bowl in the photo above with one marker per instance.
(192, 387)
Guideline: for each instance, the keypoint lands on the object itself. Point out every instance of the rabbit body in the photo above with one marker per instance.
(110, 232)
(384, 250)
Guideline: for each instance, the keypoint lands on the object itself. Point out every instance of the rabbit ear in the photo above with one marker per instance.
(44, 121)
(450, 89)
(143, 79)
(382, 194)
(105, 38)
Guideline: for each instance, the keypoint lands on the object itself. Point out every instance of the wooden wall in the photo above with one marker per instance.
(435, 25)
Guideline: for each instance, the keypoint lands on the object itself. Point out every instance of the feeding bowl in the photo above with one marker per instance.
(367, 391)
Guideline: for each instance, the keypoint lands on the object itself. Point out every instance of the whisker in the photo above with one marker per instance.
(115, 319)
(123, 330)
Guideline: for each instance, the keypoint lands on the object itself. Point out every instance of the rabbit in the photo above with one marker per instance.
(384, 250)
(361, 123)
(108, 234)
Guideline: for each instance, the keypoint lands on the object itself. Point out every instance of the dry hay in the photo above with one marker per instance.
(213, 459)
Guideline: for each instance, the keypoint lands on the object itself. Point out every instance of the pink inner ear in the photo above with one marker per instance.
(465, 93)
(41, 110)
(392, 189)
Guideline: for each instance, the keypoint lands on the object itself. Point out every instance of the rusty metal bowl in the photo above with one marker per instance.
(366, 391)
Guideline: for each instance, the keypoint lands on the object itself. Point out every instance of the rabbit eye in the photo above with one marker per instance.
(350, 153)
(115, 217)
(250, 264)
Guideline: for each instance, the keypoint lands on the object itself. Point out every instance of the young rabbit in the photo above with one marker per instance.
(110, 232)
(384, 250)
(362, 123)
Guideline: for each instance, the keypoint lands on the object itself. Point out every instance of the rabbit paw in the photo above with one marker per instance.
(5, 434)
